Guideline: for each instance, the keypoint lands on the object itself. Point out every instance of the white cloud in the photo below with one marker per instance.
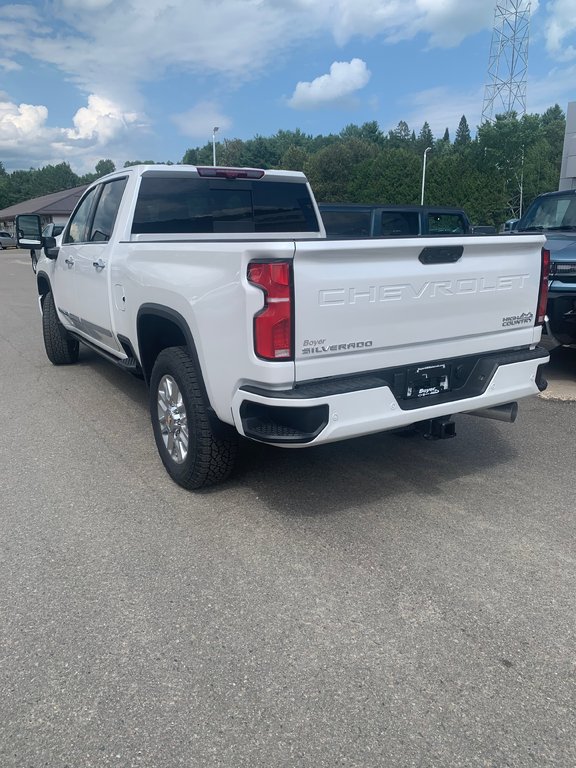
(444, 22)
(8, 65)
(21, 123)
(344, 79)
(561, 24)
(112, 47)
(448, 22)
(198, 122)
(101, 121)
(26, 139)
(88, 5)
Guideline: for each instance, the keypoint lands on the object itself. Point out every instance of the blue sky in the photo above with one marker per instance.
(85, 80)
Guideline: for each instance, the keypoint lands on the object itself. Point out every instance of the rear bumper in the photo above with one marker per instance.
(328, 410)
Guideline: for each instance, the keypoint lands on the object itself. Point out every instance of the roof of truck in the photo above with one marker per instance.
(389, 207)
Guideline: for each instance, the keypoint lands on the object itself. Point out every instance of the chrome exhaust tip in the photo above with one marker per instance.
(505, 412)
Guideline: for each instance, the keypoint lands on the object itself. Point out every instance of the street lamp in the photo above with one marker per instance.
(214, 130)
(521, 185)
(424, 174)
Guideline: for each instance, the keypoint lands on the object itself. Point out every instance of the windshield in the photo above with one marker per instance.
(551, 213)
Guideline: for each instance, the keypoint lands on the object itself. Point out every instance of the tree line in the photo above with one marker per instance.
(492, 175)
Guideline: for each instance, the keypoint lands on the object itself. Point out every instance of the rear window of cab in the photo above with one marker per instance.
(191, 205)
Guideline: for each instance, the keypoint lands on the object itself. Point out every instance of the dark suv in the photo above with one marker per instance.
(554, 214)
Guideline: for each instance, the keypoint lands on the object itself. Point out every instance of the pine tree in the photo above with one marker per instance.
(463, 136)
(425, 138)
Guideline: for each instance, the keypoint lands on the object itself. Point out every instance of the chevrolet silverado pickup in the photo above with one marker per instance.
(219, 288)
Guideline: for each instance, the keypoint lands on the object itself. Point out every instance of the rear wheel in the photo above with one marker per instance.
(60, 347)
(192, 454)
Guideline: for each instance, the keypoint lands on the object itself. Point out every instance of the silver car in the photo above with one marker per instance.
(6, 240)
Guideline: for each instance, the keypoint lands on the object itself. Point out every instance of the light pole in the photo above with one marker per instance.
(521, 185)
(424, 174)
(214, 130)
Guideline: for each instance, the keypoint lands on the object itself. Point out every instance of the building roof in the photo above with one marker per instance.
(54, 204)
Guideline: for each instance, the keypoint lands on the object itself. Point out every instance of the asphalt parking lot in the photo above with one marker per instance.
(387, 601)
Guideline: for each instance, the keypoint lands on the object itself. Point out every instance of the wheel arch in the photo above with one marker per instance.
(43, 284)
(159, 327)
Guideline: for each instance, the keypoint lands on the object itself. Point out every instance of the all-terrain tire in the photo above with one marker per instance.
(192, 454)
(60, 347)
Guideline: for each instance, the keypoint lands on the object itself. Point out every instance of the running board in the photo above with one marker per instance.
(128, 364)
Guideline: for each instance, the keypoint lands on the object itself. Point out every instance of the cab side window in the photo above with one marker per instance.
(93, 221)
(78, 228)
(446, 224)
(107, 210)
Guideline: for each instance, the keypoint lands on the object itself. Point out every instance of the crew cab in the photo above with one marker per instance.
(554, 215)
(219, 288)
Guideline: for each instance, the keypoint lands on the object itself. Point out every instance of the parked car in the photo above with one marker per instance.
(360, 220)
(554, 215)
(6, 240)
(509, 225)
(50, 230)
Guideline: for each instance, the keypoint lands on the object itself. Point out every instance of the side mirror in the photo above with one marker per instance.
(28, 231)
(50, 248)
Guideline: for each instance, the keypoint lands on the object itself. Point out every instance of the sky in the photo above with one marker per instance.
(87, 80)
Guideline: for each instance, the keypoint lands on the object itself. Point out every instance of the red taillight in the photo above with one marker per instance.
(273, 324)
(543, 294)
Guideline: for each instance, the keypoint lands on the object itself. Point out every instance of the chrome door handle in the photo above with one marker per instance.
(69, 261)
(98, 265)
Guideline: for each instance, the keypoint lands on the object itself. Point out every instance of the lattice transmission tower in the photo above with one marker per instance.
(508, 64)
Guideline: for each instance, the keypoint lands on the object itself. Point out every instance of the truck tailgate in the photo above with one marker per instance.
(364, 305)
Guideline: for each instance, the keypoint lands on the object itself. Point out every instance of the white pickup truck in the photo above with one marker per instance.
(218, 287)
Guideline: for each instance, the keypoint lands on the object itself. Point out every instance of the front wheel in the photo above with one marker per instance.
(60, 347)
(34, 261)
(190, 451)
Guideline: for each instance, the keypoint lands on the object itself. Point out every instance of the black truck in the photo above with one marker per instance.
(359, 220)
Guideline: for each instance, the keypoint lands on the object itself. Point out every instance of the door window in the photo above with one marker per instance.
(107, 210)
(78, 228)
(93, 221)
